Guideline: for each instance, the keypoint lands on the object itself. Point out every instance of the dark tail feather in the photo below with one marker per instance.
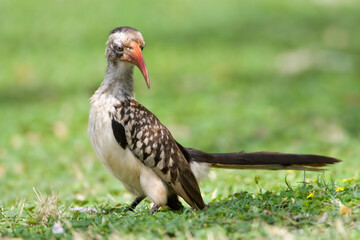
(261, 160)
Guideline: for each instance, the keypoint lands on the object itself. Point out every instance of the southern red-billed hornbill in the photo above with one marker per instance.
(141, 152)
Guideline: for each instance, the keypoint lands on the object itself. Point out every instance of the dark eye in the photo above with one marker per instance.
(141, 48)
(118, 48)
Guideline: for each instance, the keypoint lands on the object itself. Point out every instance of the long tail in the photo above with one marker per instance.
(261, 160)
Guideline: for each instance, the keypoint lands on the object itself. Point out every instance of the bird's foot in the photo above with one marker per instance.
(154, 209)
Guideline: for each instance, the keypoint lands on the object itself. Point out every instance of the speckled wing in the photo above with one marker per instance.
(151, 142)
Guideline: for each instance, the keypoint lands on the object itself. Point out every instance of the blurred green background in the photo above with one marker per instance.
(225, 76)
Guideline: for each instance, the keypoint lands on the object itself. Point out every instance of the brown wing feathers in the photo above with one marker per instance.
(262, 160)
(151, 142)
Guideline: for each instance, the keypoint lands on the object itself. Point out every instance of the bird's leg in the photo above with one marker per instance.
(135, 203)
(154, 209)
(173, 203)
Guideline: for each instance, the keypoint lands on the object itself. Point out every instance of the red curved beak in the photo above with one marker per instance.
(134, 56)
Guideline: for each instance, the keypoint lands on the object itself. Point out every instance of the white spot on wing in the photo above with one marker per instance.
(162, 155)
(139, 134)
(148, 150)
(149, 161)
(171, 162)
(161, 164)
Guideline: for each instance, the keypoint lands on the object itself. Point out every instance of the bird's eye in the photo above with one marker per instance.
(118, 48)
(141, 48)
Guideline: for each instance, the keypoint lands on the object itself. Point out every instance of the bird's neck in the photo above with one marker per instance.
(119, 80)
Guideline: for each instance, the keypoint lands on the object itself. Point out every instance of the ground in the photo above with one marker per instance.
(225, 76)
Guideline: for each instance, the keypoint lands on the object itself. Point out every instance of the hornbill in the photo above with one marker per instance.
(137, 149)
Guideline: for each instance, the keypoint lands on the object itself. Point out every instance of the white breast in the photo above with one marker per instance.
(121, 163)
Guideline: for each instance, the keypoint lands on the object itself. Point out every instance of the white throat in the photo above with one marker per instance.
(119, 80)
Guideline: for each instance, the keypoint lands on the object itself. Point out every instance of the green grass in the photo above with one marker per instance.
(283, 214)
(225, 76)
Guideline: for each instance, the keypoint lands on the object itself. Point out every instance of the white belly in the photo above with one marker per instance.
(122, 163)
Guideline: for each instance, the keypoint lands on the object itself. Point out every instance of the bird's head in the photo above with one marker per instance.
(125, 45)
